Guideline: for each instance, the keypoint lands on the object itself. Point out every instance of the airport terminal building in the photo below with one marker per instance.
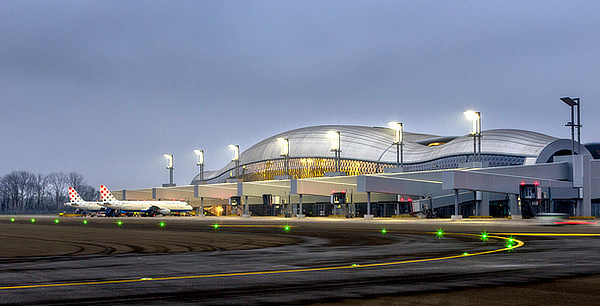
(372, 171)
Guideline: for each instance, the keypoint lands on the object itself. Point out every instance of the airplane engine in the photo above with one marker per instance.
(165, 211)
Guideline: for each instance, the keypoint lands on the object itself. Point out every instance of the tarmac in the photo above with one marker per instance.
(320, 261)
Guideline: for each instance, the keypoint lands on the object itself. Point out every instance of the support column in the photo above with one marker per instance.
(301, 212)
(457, 215)
(585, 192)
(515, 212)
(477, 202)
(368, 215)
(201, 208)
(246, 213)
(483, 199)
(353, 205)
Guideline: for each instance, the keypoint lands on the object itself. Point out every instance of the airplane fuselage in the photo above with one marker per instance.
(145, 206)
(87, 206)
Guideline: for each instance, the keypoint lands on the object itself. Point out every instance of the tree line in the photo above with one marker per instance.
(22, 192)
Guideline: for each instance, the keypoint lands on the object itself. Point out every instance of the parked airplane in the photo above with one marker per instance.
(150, 208)
(77, 202)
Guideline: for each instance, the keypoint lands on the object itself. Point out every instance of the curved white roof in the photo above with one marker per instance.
(375, 144)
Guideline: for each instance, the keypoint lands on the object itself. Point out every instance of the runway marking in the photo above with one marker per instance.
(511, 247)
(550, 234)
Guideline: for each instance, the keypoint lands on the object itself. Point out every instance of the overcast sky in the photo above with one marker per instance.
(104, 88)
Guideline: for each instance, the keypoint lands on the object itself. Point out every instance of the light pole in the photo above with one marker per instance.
(285, 152)
(335, 147)
(236, 158)
(399, 142)
(200, 163)
(169, 158)
(572, 102)
(475, 117)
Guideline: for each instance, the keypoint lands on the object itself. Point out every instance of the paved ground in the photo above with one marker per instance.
(568, 291)
(258, 261)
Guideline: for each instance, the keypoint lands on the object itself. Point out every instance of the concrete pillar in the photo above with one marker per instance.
(368, 215)
(515, 212)
(201, 214)
(457, 215)
(353, 205)
(246, 212)
(301, 212)
(476, 203)
(586, 197)
(483, 201)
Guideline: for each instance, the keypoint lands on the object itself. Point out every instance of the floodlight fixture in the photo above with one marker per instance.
(574, 102)
(200, 163)
(285, 152)
(200, 154)
(335, 147)
(570, 101)
(399, 131)
(398, 141)
(285, 146)
(169, 158)
(335, 140)
(475, 117)
(236, 151)
(236, 158)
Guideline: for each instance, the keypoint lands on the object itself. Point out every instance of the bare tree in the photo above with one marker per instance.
(18, 186)
(40, 191)
(22, 191)
(4, 197)
(89, 193)
(75, 180)
(57, 182)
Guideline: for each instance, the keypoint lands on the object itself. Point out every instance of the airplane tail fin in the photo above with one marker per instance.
(74, 197)
(106, 195)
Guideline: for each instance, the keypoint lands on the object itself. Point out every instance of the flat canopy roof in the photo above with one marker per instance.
(436, 183)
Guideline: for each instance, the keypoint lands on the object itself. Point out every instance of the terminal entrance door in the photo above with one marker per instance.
(499, 209)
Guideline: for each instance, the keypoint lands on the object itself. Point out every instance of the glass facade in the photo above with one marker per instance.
(301, 168)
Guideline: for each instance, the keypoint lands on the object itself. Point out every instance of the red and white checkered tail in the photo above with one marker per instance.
(105, 195)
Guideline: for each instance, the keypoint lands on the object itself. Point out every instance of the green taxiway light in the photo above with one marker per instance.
(162, 224)
(216, 226)
(439, 233)
(56, 221)
(32, 220)
(484, 236)
(119, 223)
(84, 221)
(287, 228)
(465, 254)
(510, 243)
(383, 231)
(12, 219)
